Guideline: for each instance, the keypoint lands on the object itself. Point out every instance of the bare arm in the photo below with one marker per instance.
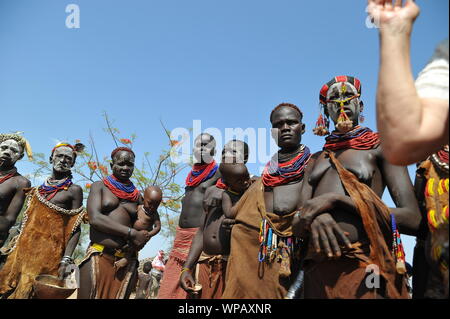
(227, 206)
(411, 127)
(9, 217)
(187, 281)
(398, 182)
(73, 242)
(157, 227)
(77, 202)
(197, 242)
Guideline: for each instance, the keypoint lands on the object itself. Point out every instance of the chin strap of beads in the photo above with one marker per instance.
(344, 124)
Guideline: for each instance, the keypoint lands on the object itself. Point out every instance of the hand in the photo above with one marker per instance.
(302, 221)
(393, 18)
(187, 282)
(227, 223)
(215, 197)
(63, 271)
(324, 233)
(138, 248)
(139, 237)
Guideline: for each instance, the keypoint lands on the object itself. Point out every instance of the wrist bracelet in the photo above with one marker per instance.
(129, 233)
(183, 270)
(67, 260)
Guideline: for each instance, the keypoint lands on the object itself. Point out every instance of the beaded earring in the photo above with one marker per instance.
(322, 123)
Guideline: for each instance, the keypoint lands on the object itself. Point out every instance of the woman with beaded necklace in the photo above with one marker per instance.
(50, 228)
(342, 216)
(112, 209)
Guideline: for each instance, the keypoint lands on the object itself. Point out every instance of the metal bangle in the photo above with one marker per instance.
(67, 260)
(129, 233)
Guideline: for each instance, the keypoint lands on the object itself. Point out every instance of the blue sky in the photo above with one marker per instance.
(226, 63)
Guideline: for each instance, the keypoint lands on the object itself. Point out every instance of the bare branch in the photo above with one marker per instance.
(105, 115)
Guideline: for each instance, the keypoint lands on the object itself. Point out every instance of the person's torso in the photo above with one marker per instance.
(192, 204)
(324, 179)
(122, 211)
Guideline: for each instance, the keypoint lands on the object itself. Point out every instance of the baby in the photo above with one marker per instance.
(147, 219)
(237, 178)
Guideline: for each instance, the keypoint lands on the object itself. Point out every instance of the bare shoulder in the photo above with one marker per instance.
(98, 185)
(22, 182)
(210, 190)
(76, 189)
(316, 155)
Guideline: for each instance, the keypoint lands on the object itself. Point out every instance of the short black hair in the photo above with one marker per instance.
(121, 149)
(281, 105)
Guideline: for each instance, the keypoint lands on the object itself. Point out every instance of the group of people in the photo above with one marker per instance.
(313, 225)
(122, 222)
(315, 222)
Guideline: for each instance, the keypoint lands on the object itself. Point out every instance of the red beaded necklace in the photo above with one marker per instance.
(360, 138)
(6, 177)
(200, 173)
(220, 184)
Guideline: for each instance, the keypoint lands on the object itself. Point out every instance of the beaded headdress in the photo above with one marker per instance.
(322, 123)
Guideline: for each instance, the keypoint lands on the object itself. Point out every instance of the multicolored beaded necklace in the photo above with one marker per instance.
(276, 173)
(201, 173)
(360, 138)
(49, 190)
(126, 191)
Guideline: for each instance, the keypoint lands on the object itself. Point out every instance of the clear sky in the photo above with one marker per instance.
(226, 63)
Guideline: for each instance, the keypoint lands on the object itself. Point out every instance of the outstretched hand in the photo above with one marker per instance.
(392, 16)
